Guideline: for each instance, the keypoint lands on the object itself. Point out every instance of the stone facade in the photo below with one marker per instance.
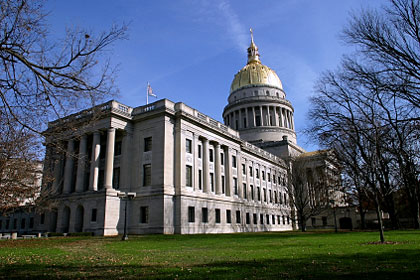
(188, 173)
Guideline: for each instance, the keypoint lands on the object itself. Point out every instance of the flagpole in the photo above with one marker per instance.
(147, 93)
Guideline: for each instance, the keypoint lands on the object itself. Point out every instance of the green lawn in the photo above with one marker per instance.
(289, 255)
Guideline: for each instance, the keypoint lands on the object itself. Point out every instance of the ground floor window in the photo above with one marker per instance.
(228, 216)
(191, 214)
(217, 216)
(205, 215)
(93, 215)
(144, 214)
(238, 217)
(248, 219)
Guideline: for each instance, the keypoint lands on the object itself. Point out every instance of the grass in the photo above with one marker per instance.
(287, 255)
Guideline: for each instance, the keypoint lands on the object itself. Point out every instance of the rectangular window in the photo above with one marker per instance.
(254, 217)
(257, 121)
(118, 147)
(267, 218)
(223, 184)
(42, 219)
(188, 146)
(268, 177)
(243, 169)
(199, 151)
(212, 182)
(31, 222)
(274, 178)
(273, 219)
(258, 194)
(116, 178)
(324, 221)
(284, 220)
(280, 198)
(285, 199)
(147, 174)
(217, 216)
(228, 216)
(222, 158)
(191, 214)
(234, 161)
(257, 173)
(252, 191)
(265, 195)
(238, 217)
(188, 176)
(23, 223)
(269, 194)
(250, 171)
(205, 215)
(248, 219)
(211, 159)
(144, 214)
(14, 223)
(288, 220)
(235, 186)
(93, 215)
(278, 219)
(7, 223)
(245, 191)
(275, 197)
(261, 219)
(200, 179)
(147, 144)
(263, 175)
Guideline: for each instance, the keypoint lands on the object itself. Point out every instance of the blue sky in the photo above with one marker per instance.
(190, 50)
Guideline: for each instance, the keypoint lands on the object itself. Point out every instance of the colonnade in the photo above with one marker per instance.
(76, 162)
(262, 115)
(228, 170)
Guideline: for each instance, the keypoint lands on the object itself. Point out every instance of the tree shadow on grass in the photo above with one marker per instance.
(400, 264)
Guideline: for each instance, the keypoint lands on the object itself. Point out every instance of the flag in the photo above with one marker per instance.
(150, 91)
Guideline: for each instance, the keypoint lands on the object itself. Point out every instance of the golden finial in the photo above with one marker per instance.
(253, 55)
(252, 35)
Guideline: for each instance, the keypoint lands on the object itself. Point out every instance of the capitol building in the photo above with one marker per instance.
(167, 168)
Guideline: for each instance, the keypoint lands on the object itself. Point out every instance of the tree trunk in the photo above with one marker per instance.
(362, 217)
(379, 215)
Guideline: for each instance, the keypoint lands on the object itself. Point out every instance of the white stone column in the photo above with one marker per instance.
(240, 118)
(228, 171)
(293, 121)
(109, 157)
(276, 116)
(268, 116)
(253, 117)
(195, 162)
(239, 174)
(261, 116)
(68, 168)
(94, 166)
(206, 165)
(81, 163)
(58, 164)
(217, 172)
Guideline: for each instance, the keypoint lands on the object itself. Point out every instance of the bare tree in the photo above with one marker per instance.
(42, 79)
(312, 183)
(20, 172)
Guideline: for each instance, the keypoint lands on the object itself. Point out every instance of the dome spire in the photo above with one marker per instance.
(253, 55)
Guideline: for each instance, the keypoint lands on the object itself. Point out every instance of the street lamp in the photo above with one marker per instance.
(335, 218)
(126, 196)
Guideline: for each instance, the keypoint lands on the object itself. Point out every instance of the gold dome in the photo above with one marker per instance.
(255, 73)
